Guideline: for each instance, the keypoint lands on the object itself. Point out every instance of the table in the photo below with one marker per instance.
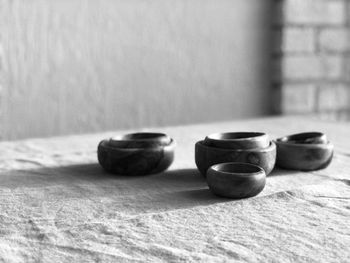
(57, 205)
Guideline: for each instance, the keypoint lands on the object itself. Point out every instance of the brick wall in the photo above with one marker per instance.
(1, 89)
(312, 57)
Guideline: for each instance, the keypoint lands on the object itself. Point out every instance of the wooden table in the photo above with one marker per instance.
(56, 204)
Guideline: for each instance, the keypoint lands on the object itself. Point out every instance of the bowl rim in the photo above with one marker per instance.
(153, 136)
(269, 148)
(326, 145)
(106, 144)
(310, 135)
(238, 140)
(254, 136)
(133, 140)
(218, 169)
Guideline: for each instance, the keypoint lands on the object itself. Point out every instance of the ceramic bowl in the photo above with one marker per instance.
(238, 140)
(135, 161)
(236, 180)
(140, 140)
(206, 156)
(305, 138)
(303, 156)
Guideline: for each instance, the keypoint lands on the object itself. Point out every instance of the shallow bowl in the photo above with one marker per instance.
(135, 161)
(304, 157)
(236, 180)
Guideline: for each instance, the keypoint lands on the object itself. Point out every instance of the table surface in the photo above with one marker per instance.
(57, 204)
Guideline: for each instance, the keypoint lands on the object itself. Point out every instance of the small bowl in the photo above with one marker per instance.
(236, 180)
(303, 156)
(305, 138)
(135, 161)
(206, 156)
(238, 140)
(140, 140)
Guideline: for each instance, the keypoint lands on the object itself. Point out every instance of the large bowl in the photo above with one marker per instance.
(140, 140)
(238, 140)
(206, 156)
(135, 161)
(236, 180)
(303, 157)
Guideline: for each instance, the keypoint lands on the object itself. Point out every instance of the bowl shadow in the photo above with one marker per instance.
(169, 190)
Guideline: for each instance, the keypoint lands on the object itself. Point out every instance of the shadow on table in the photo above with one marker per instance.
(172, 189)
(282, 172)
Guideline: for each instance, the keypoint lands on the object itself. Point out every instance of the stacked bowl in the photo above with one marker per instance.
(235, 164)
(244, 147)
(136, 153)
(307, 151)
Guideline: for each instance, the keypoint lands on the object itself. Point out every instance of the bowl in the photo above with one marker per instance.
(303, 156)
(238, 140)
(206, 156)
(140, 140)
(305, 138)
(135, 161)
(236, 180)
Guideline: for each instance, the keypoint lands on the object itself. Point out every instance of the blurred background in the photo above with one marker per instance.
(81, 66)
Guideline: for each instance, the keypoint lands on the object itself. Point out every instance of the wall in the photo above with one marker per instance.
(312, 57)
(77, 66)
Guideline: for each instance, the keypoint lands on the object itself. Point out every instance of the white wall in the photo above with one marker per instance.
(75, 66)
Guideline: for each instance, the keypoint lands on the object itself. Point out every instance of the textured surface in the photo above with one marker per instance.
(57, 205)
(77, 66)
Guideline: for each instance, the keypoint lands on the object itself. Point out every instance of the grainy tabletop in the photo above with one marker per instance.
(57, 205)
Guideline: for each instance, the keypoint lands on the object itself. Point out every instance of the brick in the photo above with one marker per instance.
(347, 68)
(315, 12)
(328, 115)
(334, 97)
(277, 41)
(298, 40)
(276, 93)
(312, 67)
(277, 15)
(342, 115)
(298, 98)
(277, 70)
(335, 39)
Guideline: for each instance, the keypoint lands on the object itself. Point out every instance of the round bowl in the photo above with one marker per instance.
(303, 157)
(140, 140)
(236, 180)
(238, 140)
(305, 138)
(206, 156)
(135, 161)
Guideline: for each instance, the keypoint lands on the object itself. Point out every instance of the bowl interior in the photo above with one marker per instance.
(237, 168)
(305, 138)
(235, 135)
(212, 148)
(140, 136)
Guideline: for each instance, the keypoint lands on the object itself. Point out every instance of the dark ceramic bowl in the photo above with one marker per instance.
(238, 140)
(303, 156)
(135, 161)
(305, 138)
(206, 156)
(140, 140)
(236, 180)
